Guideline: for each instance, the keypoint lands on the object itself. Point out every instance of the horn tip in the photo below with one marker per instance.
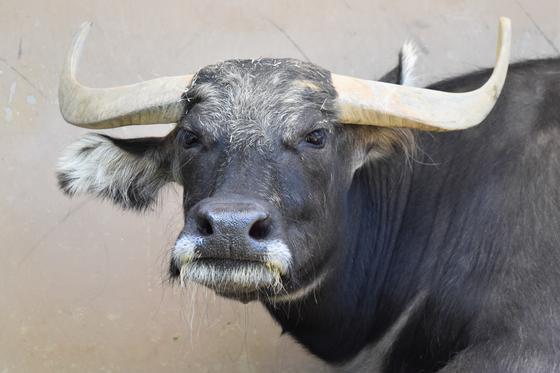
(505, 22)
(86, 25)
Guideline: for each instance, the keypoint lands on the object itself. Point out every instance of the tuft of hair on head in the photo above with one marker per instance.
(96, 165)
(408, 58)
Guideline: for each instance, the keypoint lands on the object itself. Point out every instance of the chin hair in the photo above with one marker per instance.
(246, 277)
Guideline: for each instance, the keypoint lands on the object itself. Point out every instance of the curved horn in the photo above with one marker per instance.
(148, 102)
(390, 105)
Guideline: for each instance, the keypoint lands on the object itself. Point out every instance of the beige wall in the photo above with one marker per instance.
(81, 283)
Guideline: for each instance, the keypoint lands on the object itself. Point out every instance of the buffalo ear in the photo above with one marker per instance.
(128, 172)
(405, 73)
(372, 142)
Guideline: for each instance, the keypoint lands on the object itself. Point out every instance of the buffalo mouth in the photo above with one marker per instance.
(242, 280)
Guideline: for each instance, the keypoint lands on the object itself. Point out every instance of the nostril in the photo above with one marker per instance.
(260, 229)
(204, 226)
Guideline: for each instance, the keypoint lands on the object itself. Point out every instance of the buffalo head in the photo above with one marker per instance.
(265, 150)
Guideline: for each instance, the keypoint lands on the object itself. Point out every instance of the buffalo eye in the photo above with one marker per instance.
(316, 138)
(189, 139)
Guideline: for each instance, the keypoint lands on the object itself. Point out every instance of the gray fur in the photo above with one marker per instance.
(95, 165)
(253, 101)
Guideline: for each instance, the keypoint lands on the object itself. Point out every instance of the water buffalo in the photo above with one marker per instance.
(377, 234)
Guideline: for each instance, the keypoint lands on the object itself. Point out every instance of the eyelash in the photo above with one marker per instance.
(316, 138)
(189, 139)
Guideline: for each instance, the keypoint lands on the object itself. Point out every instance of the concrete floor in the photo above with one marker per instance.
(81, 283)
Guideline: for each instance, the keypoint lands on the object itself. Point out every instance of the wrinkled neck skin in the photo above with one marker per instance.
(347, 310)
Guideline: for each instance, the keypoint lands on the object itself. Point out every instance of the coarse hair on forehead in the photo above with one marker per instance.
(251, 101)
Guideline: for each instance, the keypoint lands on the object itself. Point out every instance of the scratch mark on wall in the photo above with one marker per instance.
(543, 34)
(12, 93)
(25, 78)
(20, 49)
(72, 211)
(8, 114)
(287, 36)
(50, 231)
